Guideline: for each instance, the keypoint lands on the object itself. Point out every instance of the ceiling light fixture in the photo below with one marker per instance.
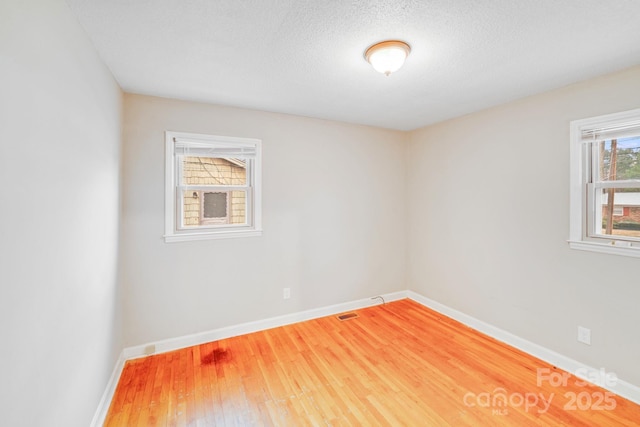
(388, 56)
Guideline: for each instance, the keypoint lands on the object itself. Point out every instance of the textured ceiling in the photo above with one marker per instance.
(306, 57)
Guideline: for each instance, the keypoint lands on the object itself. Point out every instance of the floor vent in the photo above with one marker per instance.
(347, 316)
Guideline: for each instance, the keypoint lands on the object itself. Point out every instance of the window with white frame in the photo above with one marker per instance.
(605, 184)
(212, 187)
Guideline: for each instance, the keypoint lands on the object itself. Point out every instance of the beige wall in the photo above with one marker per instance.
(505, 260)
(59, 312)
(333, 219)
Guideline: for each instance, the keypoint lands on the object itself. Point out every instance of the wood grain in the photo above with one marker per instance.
(397, 364)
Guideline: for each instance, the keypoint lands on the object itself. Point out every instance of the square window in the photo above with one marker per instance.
(215, 208)
(605, 184)
(212, 187)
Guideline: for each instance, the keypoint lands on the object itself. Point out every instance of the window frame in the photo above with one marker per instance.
(583, 188)
(174, 231)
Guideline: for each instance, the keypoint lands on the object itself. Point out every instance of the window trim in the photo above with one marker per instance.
(579, 194)
(173, 231)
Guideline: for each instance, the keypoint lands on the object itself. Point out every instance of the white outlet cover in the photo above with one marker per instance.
(584, 335)
(286, 293)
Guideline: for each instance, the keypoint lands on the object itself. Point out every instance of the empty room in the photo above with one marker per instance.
(320, 213)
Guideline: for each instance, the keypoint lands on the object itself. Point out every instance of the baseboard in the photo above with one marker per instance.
(107, 396)
(620, 387)
(247, 328)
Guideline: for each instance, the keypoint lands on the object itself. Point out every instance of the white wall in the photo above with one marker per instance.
(488, 213)
(333, 217)
(60, 124)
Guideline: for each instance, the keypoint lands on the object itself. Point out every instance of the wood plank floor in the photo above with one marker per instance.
(397, 364)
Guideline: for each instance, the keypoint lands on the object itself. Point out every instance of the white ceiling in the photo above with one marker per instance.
(306, 57)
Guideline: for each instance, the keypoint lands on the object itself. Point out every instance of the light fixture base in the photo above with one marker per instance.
(387, 56)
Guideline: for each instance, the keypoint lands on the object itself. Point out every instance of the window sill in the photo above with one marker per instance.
(210, 235)
(606, 248)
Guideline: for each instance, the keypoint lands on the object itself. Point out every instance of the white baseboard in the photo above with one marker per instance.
(259, 325)
(619, 387)
(107, 396)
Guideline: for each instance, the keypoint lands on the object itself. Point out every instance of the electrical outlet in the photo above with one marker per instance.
(584, 335)
(286, 293)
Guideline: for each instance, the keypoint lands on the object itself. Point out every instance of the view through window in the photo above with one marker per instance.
(617, 177)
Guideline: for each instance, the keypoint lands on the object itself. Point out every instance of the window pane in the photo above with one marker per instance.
(191, 208)
(622, 216)
(619, 155)
(214, 205)
(213, 171)
(238, 211)
(214, 208)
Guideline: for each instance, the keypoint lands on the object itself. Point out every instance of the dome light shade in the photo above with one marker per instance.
(388, 56)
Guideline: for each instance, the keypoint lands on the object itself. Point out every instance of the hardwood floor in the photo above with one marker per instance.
(397, 364)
